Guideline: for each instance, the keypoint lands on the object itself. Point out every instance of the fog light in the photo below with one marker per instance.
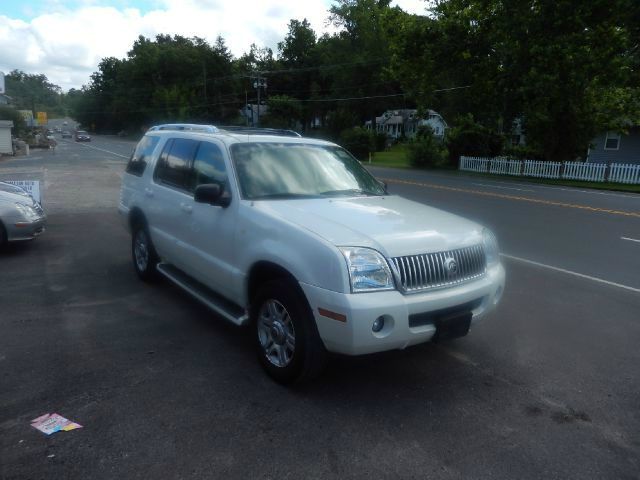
(378, 324)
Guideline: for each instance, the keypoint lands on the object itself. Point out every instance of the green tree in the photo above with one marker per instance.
(34, 92)
(284, 112)
(566, 69)
(425, 150)
(472, 139)
(10, 113)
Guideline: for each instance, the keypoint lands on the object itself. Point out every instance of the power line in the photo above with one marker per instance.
(353, 98)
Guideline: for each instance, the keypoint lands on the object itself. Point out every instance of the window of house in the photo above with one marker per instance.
(612, 142)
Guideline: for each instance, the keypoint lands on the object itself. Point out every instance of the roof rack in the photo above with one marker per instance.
(260, 131)
(191, 127)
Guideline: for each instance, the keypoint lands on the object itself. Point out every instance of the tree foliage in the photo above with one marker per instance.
(564, 69)
(34, 92)
(425, 150)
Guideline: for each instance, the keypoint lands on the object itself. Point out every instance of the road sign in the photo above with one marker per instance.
(27, 115)
(32, 187)
(42, 118)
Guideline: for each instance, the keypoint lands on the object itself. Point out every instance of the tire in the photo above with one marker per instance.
(285, 334)
(143, 254)
(3, 237)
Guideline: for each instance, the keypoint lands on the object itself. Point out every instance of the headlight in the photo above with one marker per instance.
(368, 270)
(490, 247)
(27, 211)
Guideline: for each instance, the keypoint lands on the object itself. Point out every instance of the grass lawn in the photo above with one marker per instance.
(396, 156)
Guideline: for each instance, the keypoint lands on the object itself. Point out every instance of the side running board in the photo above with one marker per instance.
(211, 299)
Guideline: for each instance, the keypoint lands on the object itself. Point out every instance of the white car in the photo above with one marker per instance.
(293, 237)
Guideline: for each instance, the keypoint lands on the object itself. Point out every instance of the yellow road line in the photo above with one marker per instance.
(515, 197)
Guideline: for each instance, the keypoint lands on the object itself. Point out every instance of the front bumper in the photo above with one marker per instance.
(353, 335)
(22, 230)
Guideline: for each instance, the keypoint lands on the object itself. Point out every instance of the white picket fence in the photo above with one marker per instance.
(584, 171)
(624, 173)
(540, 169)
(592, 172)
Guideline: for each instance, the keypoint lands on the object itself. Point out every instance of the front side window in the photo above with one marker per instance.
(208, 166)
(141, 154)
(281, 170)
(173, 165)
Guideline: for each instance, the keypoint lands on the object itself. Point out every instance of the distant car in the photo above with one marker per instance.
(21, 217)
(66, 134)
(82, 136)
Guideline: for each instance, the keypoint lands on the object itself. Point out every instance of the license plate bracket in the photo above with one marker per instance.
(453, 325)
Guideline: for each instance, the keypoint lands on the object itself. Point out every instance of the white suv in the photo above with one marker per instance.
(293, 237)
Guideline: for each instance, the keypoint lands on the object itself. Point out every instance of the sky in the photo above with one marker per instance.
(65, 40)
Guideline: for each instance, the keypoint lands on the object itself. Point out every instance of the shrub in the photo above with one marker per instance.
(358, 141)
(472, 139)
(425, 150)
(380, 141)
(19, 125)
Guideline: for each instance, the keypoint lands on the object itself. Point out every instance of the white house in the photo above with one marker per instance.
(405, 122)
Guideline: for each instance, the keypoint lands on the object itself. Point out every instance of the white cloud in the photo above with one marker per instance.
(67, 45)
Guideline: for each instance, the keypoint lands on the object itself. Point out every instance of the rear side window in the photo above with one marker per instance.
(141, 154)
(173, 165)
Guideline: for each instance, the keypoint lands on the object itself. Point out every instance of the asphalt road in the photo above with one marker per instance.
(547, 387)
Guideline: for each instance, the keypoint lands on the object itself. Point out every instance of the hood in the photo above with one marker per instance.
(393, 225)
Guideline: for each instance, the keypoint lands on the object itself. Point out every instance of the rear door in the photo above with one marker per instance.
(172, 200)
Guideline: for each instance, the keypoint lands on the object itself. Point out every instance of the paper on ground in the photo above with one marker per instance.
(52, 422)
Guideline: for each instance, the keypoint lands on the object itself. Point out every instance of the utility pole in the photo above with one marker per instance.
(258, 84)
(246, 108)
(204, 74)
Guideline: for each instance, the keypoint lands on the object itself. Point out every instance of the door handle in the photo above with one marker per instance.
(186, 208)
(148, 192)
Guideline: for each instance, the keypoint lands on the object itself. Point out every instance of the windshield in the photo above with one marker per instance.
(292, 170)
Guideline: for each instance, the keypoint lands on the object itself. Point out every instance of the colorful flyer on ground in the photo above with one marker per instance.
(52, 422)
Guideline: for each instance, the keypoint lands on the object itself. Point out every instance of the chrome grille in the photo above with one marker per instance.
(440, 269)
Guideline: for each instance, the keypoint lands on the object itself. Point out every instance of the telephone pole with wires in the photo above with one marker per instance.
(259, 82)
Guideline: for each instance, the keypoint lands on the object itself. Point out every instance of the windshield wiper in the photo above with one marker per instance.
(350, 191)
(282, 196)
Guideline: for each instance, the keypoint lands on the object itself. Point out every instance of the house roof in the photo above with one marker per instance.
(395, 120)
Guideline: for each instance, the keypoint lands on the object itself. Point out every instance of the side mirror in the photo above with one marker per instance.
(213, 194)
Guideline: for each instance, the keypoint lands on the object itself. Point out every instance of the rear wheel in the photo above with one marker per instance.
(144, 256)
(286, 338)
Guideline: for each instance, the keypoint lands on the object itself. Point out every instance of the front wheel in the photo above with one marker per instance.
(286, 337)
(3, 236)
(144, 256)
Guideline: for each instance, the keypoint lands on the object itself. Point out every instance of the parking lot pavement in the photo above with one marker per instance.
(546, 388)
